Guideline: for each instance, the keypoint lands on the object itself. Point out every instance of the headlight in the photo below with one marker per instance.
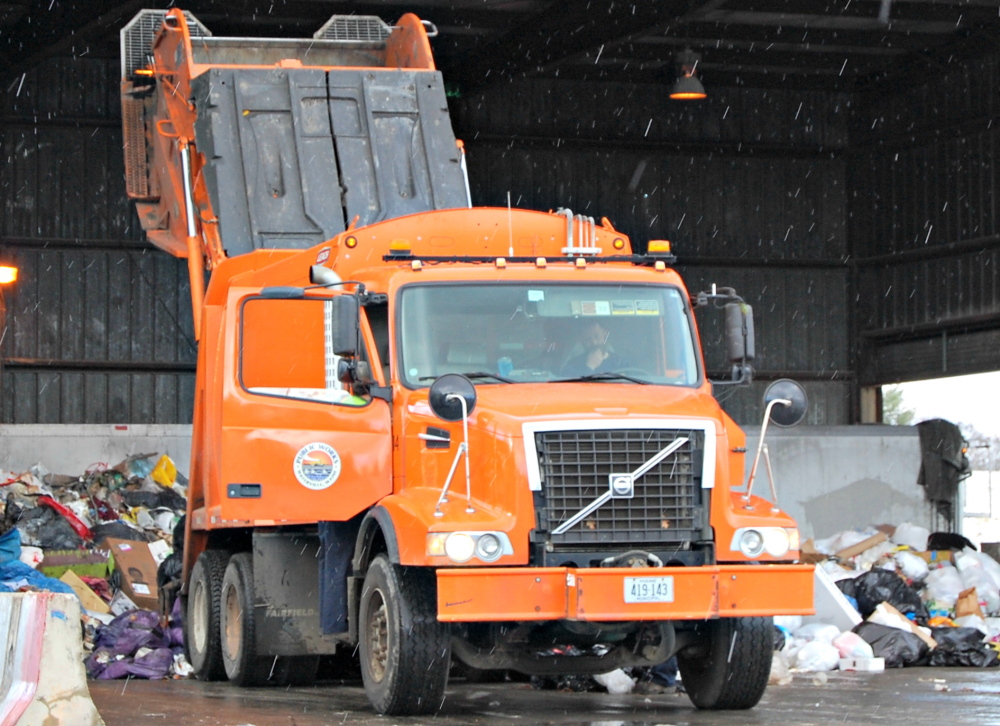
(775, 541)
(488, 548)
(751, 542)
(459, 547)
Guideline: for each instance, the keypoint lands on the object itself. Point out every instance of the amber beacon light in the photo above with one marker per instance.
(688, 87)
(8, 274)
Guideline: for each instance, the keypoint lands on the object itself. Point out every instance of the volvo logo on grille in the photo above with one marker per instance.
(622, 486)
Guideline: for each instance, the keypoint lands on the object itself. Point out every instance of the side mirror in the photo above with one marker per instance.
(789, 414)
(739, 332)
(344, 325)
(444, 393)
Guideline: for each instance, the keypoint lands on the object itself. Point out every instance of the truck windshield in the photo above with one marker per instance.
(517, 333)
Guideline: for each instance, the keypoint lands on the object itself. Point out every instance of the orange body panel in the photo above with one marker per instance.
(597, 594)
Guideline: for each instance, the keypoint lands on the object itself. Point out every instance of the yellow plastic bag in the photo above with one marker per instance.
(164, 473)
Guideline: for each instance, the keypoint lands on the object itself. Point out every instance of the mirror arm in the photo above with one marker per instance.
(760, 443)
(383, 393)
(463, 450)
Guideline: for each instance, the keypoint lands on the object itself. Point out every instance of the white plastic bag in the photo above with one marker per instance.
(852, 645)
(817, 656)
(987, 562)
(943, 585)
(818, 631)
(791, 623)
(973, 621)
(911, 535)
(616, 681)
(912, 566)
(974, 574)
(842, 540)
(779, 671)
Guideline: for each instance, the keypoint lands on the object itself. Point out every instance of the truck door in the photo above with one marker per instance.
(298, 445)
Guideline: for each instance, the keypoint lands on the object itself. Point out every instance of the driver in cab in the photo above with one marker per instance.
(597, 356)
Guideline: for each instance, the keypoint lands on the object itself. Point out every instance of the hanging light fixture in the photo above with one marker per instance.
(688, 87)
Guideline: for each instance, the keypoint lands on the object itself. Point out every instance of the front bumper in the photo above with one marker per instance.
(571, 593)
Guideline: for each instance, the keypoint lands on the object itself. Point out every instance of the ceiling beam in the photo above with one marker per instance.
(562, 30)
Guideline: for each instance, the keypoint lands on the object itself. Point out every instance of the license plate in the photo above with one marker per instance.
(649, 589)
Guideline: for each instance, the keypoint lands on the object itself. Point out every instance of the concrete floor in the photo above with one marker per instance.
(911, 696)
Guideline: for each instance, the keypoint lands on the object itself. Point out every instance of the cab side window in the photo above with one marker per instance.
(284, 353)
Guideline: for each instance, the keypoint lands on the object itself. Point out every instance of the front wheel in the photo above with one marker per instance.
(405, 652)
(729, 667)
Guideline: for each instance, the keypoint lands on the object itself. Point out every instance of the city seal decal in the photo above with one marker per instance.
(317, 466)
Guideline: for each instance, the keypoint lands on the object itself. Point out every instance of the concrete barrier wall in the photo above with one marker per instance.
(832, 478)
(42, 678)
(72, 448)
(829, 478)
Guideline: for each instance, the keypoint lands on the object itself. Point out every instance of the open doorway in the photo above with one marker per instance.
(967, 401)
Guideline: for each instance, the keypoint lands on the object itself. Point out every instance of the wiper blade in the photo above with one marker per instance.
(472, 375)
(608, 376)
(485, 374)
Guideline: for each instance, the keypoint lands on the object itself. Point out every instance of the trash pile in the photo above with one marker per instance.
(106, 536)
(902, 597)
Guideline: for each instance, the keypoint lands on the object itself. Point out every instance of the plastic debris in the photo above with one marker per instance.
(617, 682)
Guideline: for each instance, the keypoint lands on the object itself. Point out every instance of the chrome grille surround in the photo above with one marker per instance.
(573, 467)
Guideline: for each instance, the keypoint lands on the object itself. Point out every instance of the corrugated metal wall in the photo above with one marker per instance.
(750, 187)
(924, 226)
(99, 324)
(796, 199)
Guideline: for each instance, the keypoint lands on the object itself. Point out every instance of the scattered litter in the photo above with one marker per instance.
(102, 536)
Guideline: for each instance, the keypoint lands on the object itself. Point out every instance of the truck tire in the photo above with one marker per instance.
(405, 652)
(236, 620)
(202, 635)
(729, 668)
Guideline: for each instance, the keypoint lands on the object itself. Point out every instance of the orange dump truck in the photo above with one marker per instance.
(426, 430)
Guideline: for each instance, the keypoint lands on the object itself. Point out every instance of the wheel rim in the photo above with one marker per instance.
(378, 636)
(234, 622)
(200, 611)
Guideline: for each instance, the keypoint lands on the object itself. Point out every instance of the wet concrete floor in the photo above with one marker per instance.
(912, 696)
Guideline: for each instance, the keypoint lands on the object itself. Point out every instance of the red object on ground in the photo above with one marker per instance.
(79, 527)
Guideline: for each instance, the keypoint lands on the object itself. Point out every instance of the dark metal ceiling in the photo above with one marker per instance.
(838, 45)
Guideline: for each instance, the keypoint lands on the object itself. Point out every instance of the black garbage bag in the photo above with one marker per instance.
(153, 500)
(899, 647)
(120, 530)
(949, 541)
(958, 647)
(48, 529)
(879, 586)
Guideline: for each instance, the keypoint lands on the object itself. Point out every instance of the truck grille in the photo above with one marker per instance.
(668, 503)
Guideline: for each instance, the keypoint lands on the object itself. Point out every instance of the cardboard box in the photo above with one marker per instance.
(121, 604)
(96, 563)
(88, 598)
(809, 555)
(137, 567)
(936, 556)
(872, 665)
(863, 546)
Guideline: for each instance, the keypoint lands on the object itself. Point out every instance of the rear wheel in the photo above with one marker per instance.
(201, 621)
(405, 652)
(729, 668)
(239, 653)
